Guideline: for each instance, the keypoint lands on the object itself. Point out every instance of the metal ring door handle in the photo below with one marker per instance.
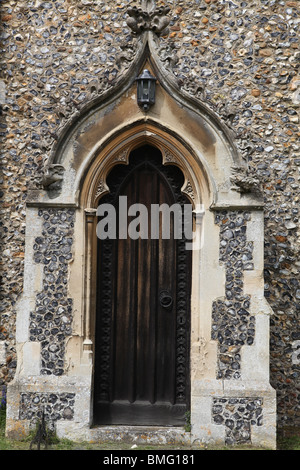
(165, 299)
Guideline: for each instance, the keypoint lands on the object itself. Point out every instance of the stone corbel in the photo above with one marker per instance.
(243, 182)
(53, 177)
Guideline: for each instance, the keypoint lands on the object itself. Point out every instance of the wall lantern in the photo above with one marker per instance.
(146, 90)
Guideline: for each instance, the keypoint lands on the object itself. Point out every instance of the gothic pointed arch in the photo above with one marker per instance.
(197, 188)
(114, 110)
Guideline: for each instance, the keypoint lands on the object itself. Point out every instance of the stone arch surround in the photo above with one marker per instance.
(231, 399)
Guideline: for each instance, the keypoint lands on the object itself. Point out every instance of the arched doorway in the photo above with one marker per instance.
(142, 339)
(190, 137)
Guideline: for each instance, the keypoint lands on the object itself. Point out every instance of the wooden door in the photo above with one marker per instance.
(142, 326)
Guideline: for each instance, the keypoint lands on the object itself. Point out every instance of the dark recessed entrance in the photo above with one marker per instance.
(143, 305)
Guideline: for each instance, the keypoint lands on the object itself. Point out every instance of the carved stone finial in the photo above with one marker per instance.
(148, 17)
(148, 5)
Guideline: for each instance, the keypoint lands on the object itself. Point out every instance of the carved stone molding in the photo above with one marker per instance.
(189, 190)
(122, 156)
(148, 17)
(90, 217)
(101, 188)
(169, 157)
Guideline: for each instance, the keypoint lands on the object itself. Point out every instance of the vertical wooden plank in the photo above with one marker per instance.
(125, 311)
(154, 263)
(145, 345)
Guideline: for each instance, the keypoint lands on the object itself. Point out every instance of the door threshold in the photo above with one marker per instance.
(156, 435)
